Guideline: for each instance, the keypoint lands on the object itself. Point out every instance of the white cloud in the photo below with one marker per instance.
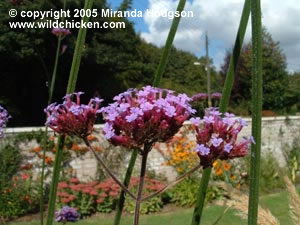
(221, 19)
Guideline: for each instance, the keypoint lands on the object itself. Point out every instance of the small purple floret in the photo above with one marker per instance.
(196, 121)
(216, 141)
(227, 148)
(67, 214)
(202, 150)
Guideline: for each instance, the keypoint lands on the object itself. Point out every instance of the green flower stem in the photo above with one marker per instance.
(55, 179)
(45, 146)
(223, 105)
(201, 196)
(157, 79)
(138, 202)
(165, 55)
(126, 182)
(51, 90)
(45, 141)
(70, 88)
(78, 51)
(256, 110)
(235, 57)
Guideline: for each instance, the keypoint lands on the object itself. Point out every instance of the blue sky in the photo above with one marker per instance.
(220, 19)
(142, 5)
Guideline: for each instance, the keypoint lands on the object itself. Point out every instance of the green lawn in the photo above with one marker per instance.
(277, 203)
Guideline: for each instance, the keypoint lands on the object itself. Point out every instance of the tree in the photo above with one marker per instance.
(27, 58)
(275, 75)
(113, 61)
(293, 93)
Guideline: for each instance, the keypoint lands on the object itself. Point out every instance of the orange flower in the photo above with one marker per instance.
(27, 166)
(75, 147)
(37, 149)
(219, 172)
(216, 164)
(48, 160)
(92, 138)
(179, 169)
(226, 166)
(98, 149)
(232, 176)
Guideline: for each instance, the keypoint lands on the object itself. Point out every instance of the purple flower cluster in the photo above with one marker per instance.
(204, 96)
(199, 96)
(145, 116)
(67, 214)
(4, 117)
(216, 95)
(60, 31)
(71, 117)
(217, 137)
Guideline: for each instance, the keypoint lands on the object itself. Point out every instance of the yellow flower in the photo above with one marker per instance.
(216, 164)
(179, 169)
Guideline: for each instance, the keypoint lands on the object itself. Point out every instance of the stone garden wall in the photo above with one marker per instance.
(277, 132)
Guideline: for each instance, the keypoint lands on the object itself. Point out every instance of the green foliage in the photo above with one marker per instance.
(88, 197)
(185, 193)
(292, 158)
(270, 173)
(10, 160)
(106, 206)
(153, 205)
(275, 75)
(18, 196)
(293, 93)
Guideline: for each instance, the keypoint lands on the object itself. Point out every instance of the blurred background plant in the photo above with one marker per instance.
(292, 159)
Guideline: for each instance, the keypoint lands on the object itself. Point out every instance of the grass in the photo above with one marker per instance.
(277, 203)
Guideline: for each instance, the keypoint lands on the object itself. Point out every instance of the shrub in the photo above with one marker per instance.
(19, 197)
(292, 158)
(154, 204)
(10, 160)
(94, 196)
(185, 193)
(89, 197)
(269, 173)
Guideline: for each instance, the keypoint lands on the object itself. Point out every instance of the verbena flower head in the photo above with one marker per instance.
(60, 31)
(217, 137)
(216, 95)
(199, 96)
(4, 117)
(145, 116)
(73, 118)
(67, 214)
